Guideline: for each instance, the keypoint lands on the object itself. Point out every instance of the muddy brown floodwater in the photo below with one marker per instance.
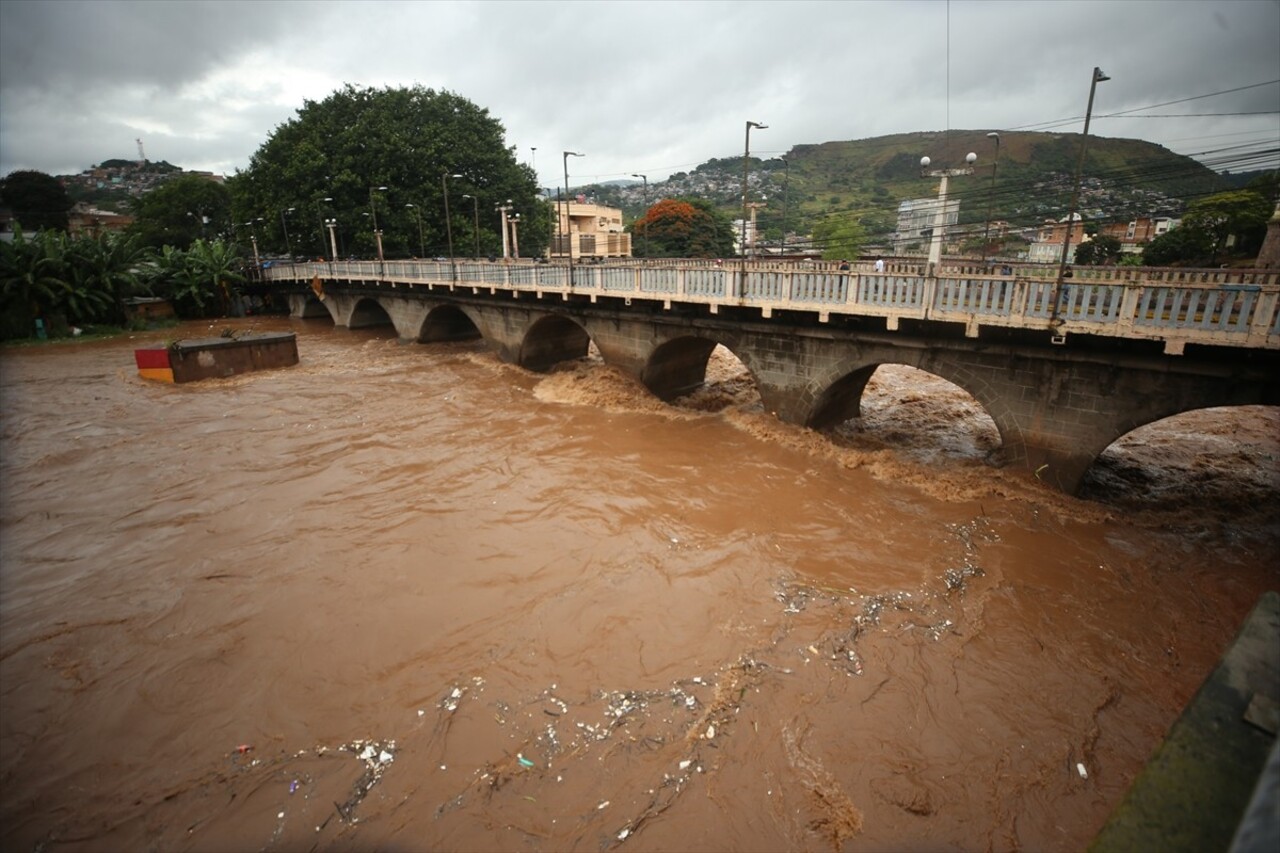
(407, 597)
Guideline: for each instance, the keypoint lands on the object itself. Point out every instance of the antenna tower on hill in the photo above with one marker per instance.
(142, 157)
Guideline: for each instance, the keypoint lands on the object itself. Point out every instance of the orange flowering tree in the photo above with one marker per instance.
(682, 228)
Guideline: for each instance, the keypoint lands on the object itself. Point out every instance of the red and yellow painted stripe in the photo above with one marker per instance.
(153, 363)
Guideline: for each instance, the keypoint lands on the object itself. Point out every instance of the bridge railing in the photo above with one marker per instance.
(1174, 305)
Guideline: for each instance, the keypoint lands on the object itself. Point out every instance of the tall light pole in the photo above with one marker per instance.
(1098, 77)
(746, 164)
(320, 214)
(568, 228)
(377, 235)
(645, 178)
(253, 236)
(786, 185)
(475, 215)
(986, 232)
(422, 244)
(331, 224)
(534, 165)
(940, 217)
(502, 216)
(287, 248)
(448, 226)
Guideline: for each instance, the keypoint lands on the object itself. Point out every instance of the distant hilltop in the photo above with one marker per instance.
(870, 178)
(112, 183)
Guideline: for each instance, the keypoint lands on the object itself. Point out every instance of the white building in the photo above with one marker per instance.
(917, 218)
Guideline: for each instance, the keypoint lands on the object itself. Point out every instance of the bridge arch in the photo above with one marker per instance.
(367, 312)
(448, 322)
(842, 399)
(1218, 453)
(551, 339)
(305, 306)
(678, 366)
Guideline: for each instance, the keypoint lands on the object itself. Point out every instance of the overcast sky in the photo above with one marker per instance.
(647, 87)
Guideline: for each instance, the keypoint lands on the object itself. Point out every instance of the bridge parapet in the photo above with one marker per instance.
(1238, 308)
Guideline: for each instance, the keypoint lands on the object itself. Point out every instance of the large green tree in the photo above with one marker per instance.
(36, 200)
(1178, 245)
(839, 237)
(1242, 213)
(682, 228)
(181, 211)
(331, 161)
(1100, 250)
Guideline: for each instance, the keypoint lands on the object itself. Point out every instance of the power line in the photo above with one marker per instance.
(1193, 98)
(1195, 115)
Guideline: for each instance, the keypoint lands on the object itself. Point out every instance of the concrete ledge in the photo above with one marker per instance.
(208, 358)
(1194, 791)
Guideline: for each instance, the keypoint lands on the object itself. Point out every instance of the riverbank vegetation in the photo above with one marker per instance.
(53, 284)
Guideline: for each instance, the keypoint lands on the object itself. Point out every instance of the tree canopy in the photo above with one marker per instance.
(335, 158)
(37, 200)
(682, 228)
(839, 237)
(181, 211)
(1100, 250)
(1207, 225)
(1242, 213)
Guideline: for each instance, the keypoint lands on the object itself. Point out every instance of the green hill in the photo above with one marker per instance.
(868, 178)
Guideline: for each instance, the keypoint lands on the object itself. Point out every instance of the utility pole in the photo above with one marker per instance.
(986, 232)
(786, 185)
(1098, 77)
(746, 167)
(645, 178)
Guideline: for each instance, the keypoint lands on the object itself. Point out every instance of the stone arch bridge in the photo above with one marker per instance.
(1057, 402)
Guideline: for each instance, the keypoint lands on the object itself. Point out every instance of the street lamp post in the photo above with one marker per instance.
(502, 217)
(515, 239)
(320, 214)
(746, 165)
(568, 227)
(1098, 77)
(986, 232)
(331, 224)
(253, 237)
(287, 248)
(940, 217)
(475, 215)
(645, 178)
(377, 235)
(448, 226)
(422, 245)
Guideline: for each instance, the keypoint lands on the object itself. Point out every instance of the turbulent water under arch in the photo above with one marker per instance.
(405, 596)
